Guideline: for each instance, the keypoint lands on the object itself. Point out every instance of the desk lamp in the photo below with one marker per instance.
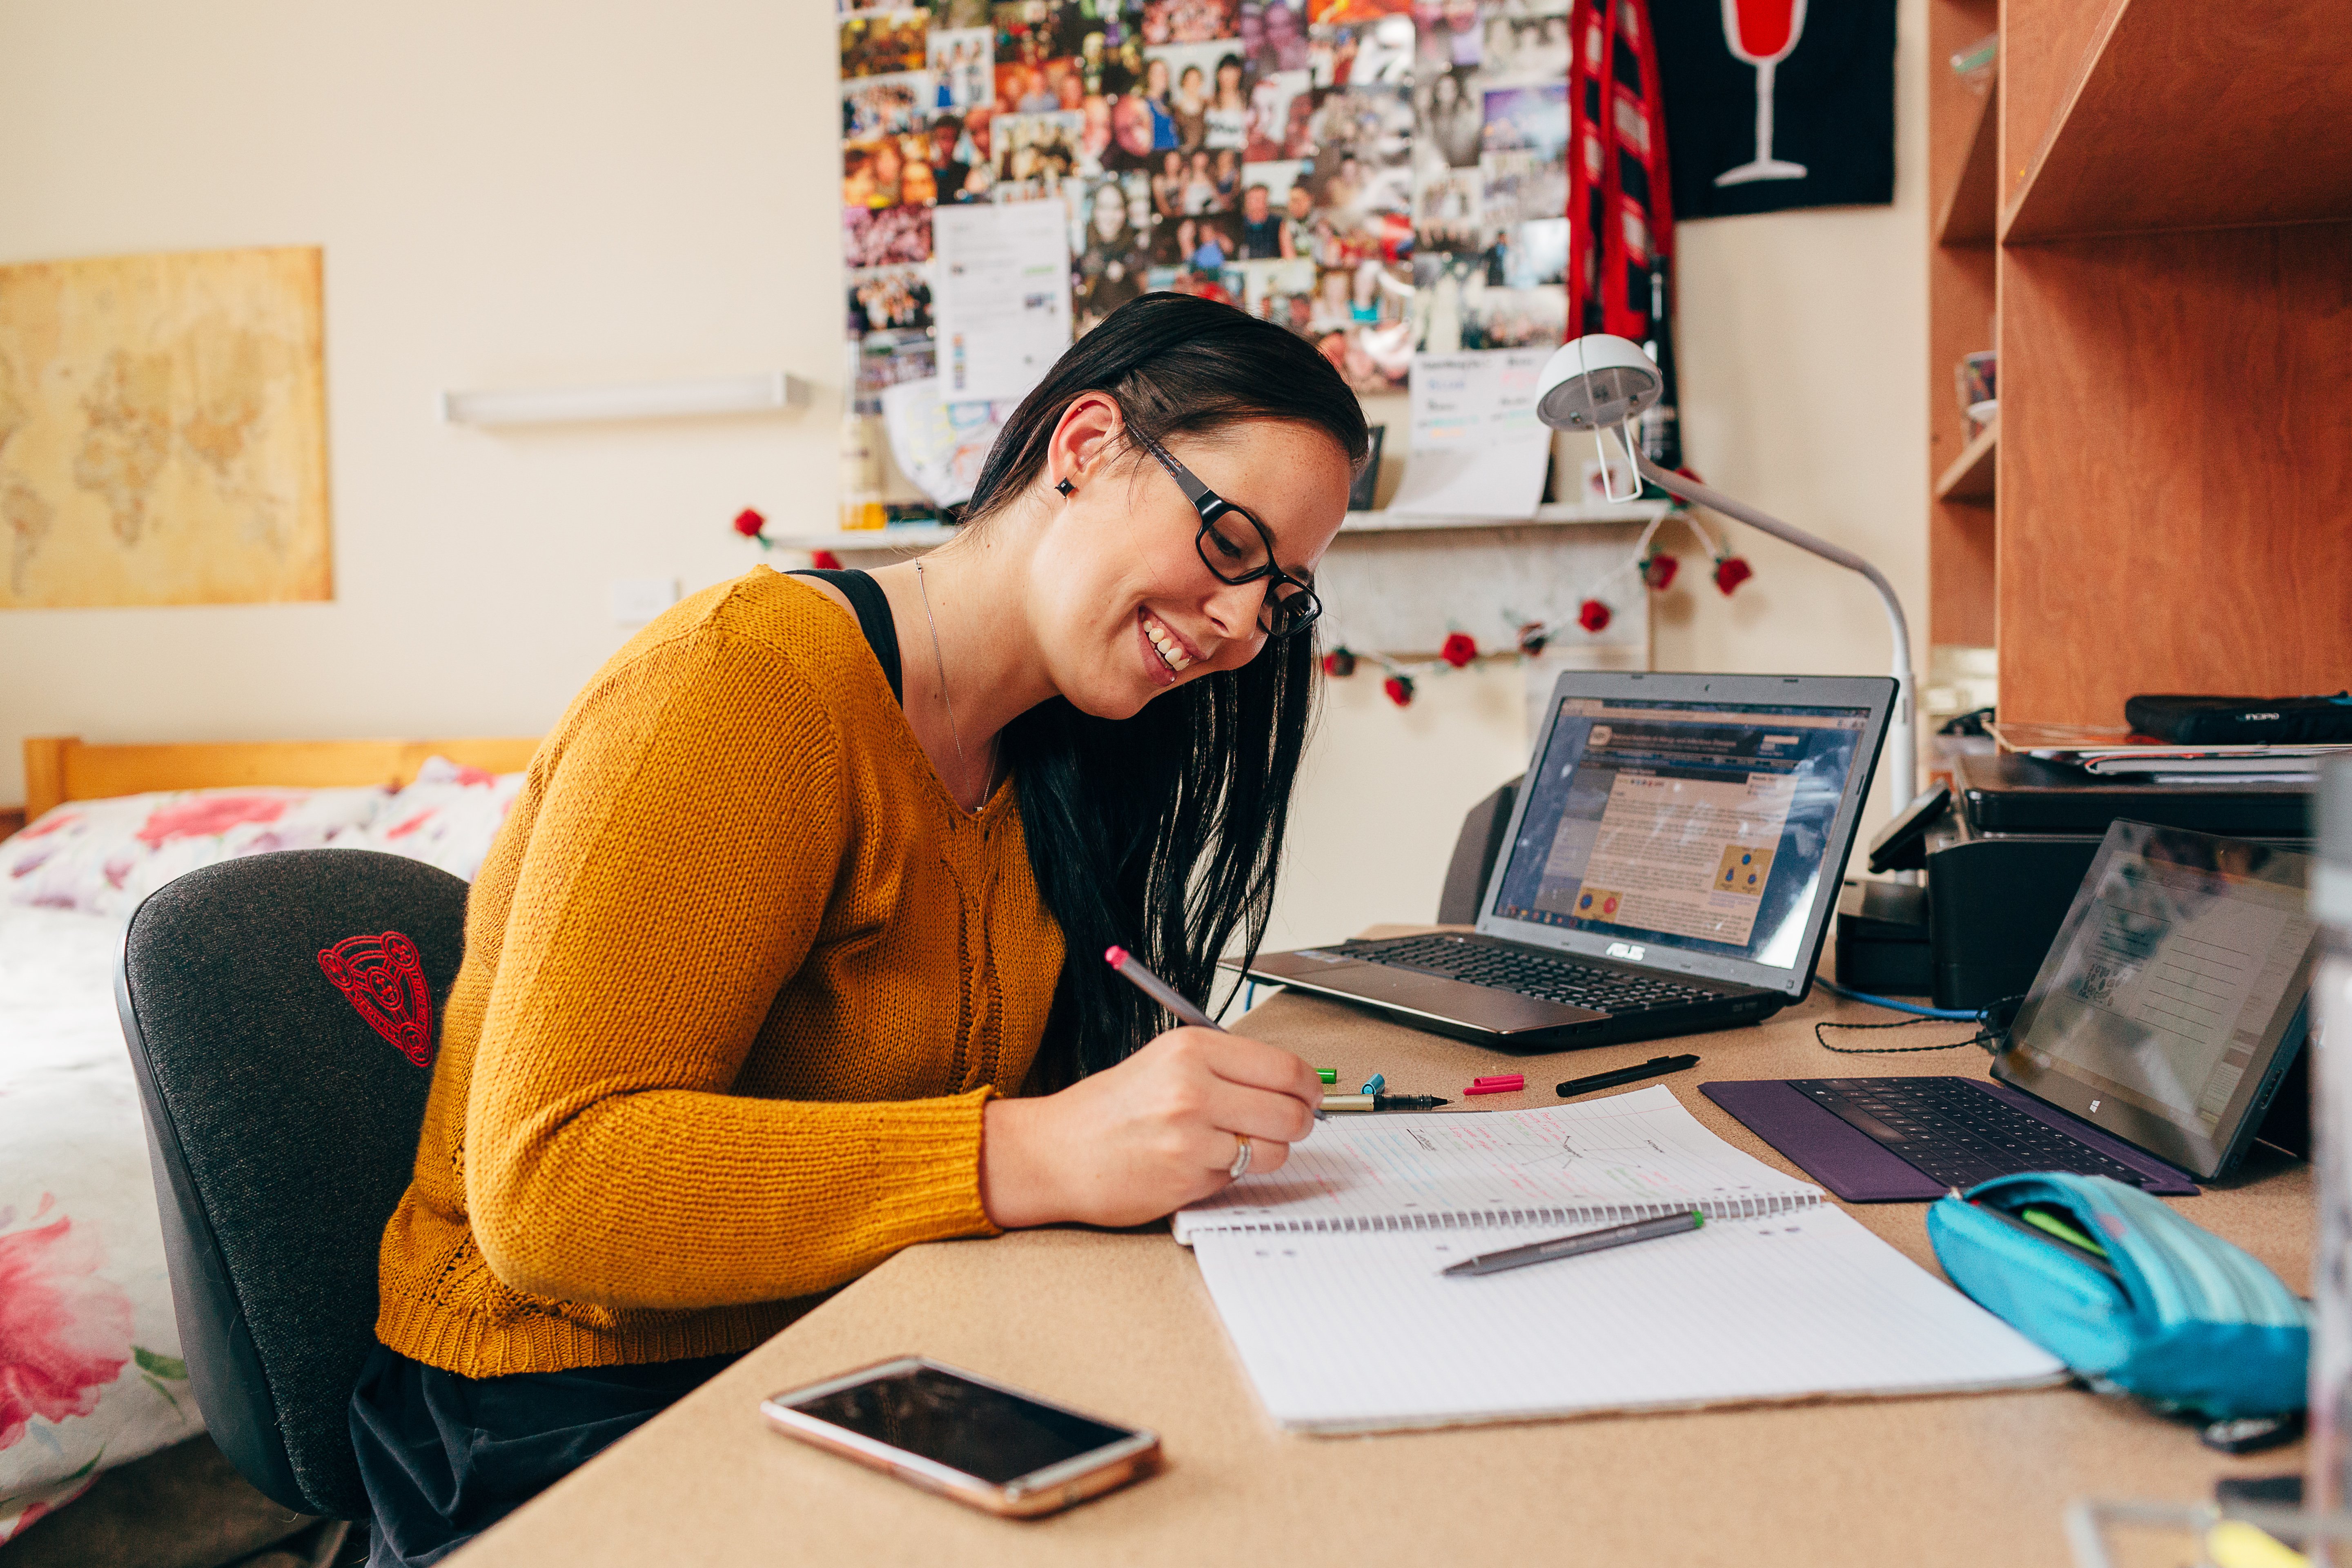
(1599, 380)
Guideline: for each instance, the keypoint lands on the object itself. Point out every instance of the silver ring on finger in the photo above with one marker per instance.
(1240, 1158)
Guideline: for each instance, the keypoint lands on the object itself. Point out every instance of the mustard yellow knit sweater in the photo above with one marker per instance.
(739, 977)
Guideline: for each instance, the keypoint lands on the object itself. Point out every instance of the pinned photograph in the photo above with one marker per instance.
(1281, 291)
(1447, 34)
(1525, 48)
(1528, 120)
(962, 63)
(1034, 31)
(884, 43)
(1360, 10)
(1281, 117)
(1515, 317)
(884, 105)
(1449, 118)
(1363, 154)
(1361, 54)
(1203, 181)
(1530, 255)
(1523, 187)
(884, 237)
(1273, 34)
(888, 172)
(1189, 21)
(1045, 87)
(1110, 246)
(1180, 79)
(1449, 211)
(1035, 153)
(889, 299)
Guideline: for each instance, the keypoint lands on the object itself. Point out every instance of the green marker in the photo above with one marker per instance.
(2043, 1219)
(1328, 1075)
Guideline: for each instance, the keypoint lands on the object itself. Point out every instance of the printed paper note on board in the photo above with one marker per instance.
(1479, 449)
(1003, 300)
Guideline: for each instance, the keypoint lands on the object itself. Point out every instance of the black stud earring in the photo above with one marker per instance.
(1065, 487)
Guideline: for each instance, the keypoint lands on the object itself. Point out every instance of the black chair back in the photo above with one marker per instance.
(282, 1011)
(1473, 856)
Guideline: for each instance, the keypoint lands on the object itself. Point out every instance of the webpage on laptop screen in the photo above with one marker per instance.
(1696, 825)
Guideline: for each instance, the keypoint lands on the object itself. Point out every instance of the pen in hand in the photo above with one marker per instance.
(1136, 974)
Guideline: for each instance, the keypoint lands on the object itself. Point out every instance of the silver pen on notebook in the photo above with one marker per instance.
(1580, 1242)
(1136, 974)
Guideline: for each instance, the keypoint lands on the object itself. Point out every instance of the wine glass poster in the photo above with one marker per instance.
(1776, 104)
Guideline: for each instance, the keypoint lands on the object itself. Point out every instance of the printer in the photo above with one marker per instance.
(2004, 849)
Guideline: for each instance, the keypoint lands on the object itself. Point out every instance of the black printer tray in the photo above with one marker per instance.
(2008, 793)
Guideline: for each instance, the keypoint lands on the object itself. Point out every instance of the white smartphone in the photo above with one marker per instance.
(964, 1436)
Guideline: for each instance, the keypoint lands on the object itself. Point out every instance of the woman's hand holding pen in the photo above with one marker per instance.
(1143, 1139)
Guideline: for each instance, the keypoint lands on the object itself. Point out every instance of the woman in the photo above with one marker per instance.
(1110, 269)
(1167, 186)
(813, 878)
(1226, 124)
(1199, 187)
(1190, 109)
(1155, 96)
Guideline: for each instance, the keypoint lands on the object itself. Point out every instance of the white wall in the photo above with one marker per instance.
(524, 195)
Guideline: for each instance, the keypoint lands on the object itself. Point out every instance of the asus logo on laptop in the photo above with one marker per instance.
(1627, 951)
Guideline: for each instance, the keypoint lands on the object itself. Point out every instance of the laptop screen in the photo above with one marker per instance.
(1703, 827)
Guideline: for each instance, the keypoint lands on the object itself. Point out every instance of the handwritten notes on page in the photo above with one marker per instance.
(1600, 1162)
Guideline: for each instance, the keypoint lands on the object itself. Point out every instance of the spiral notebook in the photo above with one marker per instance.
(1326, 1274)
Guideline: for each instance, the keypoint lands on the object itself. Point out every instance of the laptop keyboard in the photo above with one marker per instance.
(1955, 1132)
(1531, 973)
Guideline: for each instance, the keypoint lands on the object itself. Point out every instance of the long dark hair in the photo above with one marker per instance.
(1162, 833)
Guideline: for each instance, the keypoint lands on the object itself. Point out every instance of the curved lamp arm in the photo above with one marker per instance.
(1903, 742)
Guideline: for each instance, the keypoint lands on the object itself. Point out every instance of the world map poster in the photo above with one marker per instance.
(162, 430)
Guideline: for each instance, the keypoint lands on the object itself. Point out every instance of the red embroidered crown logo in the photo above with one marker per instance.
(384, 979)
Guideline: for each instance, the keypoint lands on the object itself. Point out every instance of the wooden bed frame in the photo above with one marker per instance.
(59, 768)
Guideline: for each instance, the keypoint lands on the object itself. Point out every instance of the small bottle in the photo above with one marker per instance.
(861, 471)
(2327, 1482)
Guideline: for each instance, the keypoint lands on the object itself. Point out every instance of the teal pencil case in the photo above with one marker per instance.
(2177, 1317)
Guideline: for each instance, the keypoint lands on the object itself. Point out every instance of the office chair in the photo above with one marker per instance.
(280, 1011)
(1473, 856)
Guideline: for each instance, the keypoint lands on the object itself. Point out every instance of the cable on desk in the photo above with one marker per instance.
(1991, 1033)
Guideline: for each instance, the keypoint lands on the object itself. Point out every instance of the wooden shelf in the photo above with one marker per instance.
(925, 536)
(2182, 115)
(1973, 207)
(1969, 474)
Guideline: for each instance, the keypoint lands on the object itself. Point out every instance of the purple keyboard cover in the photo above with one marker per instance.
(1861, 1171)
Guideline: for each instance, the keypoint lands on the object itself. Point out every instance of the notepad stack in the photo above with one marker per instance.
(1331, 1265)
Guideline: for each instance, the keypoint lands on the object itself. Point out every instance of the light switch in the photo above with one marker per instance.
(636, 600)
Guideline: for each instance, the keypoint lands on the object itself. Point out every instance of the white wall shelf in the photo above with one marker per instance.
(923, 536)
(768, 392)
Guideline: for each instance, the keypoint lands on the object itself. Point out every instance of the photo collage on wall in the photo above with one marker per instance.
(1379, 176)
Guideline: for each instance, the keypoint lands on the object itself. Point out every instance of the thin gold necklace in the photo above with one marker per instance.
(964, 767)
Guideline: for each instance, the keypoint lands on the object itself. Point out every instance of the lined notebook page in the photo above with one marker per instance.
(1360, 1332)
(1622, 1157)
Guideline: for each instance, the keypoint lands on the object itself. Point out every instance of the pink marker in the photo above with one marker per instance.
(1496, 1088)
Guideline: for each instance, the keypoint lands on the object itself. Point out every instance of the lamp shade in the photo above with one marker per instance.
(1597, 381)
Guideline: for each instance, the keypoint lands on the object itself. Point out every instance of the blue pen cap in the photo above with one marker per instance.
(1376, 1083)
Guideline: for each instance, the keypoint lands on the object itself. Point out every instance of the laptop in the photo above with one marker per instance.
(2162, 1030)
(1670, 866)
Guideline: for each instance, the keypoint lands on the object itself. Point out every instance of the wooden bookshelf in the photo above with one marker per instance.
(2167, 504)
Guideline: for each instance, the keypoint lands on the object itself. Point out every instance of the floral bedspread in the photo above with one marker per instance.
(91, 1373)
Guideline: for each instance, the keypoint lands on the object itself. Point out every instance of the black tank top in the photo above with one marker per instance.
(874, 618)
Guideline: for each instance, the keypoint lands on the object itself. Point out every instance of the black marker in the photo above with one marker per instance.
(1656, 1067)
(1382, 1102)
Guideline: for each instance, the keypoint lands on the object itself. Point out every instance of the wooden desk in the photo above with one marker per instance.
(1121, 1325)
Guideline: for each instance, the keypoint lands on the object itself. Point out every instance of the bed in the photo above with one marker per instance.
(90, 1375)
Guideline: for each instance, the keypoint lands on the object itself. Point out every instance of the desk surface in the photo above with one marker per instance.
(1119, 1323)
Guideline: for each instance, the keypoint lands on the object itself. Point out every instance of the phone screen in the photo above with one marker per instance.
(980, 1431)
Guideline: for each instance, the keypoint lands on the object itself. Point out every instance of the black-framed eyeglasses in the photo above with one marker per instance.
(1233, 556)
